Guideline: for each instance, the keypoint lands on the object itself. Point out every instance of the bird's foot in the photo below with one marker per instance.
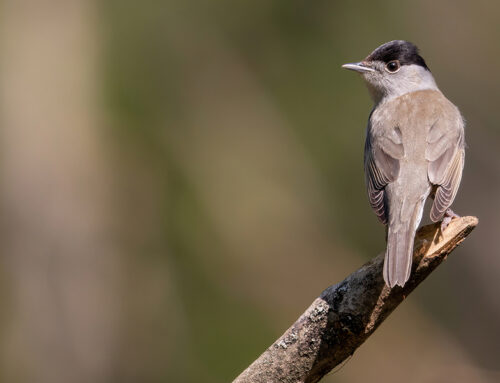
(448, 216)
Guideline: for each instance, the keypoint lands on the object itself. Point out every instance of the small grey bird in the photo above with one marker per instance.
(414, 149)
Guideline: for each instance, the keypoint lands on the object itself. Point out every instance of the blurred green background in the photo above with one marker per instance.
(182, 178)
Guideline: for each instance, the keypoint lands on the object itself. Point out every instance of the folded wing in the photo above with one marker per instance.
(445, 153)
(382, 155)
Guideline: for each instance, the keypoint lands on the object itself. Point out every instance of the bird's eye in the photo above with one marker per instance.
(393, 66)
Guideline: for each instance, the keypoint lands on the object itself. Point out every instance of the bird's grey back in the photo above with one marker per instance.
(414, 145)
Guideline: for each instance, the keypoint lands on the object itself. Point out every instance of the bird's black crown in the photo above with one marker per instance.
(404, 51)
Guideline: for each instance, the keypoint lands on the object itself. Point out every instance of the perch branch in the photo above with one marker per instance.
(346, 314)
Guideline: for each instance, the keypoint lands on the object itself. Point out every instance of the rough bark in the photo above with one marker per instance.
(346, 314)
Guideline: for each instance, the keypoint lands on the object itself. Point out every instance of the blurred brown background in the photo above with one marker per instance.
(182, 178)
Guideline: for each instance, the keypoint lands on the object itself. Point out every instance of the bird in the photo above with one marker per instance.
(414, 149)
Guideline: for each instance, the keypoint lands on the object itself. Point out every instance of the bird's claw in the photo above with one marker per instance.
(449, 215)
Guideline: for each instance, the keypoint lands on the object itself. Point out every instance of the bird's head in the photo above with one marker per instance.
(393, 69)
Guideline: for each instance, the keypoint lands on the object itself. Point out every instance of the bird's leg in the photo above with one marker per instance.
(448, 216)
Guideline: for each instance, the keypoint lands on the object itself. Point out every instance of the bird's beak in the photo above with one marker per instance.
(361, 67)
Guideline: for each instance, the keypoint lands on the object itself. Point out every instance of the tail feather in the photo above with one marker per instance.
(399, 252)
(398, 257)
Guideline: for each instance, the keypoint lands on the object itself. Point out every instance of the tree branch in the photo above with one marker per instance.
(346, 314)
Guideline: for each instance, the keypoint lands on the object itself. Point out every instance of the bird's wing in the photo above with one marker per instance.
(382, 154)
(445, 153)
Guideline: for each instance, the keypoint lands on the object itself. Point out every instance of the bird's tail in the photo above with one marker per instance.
(400, 237)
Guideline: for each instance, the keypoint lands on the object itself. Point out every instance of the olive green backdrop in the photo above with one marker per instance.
(182, 178)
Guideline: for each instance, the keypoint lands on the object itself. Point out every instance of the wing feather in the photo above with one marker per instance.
(382, 155)
(445, 153)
